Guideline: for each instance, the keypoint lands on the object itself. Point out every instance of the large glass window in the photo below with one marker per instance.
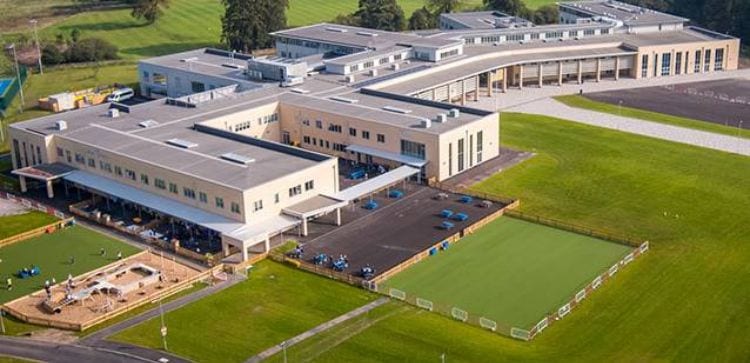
(707, 61)
(697, 68)
(666, 59)
(413, 149)
(678, 63)
(719, 60)
(460, 153)
(235, 208)
(644, 65)
(480, 146)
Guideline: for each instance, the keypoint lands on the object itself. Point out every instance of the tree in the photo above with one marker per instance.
(149, 9)
(381, 14)
(510, 7)
(52, 55)
(346, 19)
(75, 35)
(246, 24)
(547, 14)
(444, 6)
(91, 50)
(422, 19)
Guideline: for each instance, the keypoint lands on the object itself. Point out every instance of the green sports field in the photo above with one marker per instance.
(51, 252)
(511, 271)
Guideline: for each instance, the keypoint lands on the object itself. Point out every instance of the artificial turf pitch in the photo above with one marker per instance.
(52, 252)
(510, 271)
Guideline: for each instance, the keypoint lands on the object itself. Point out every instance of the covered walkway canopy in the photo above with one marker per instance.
(313, 207)
(403, 159)
(47, 173)
(377, 183)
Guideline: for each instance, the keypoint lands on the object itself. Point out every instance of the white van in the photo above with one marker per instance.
(121, 94)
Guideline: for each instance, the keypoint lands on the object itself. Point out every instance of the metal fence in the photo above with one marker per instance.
(10, 93)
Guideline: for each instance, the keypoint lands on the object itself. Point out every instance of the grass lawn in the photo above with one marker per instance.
(510, 271)
(14, 224)
(51, 252)
(277, 302)
(589, 104)
(685, 301)
(6, 359)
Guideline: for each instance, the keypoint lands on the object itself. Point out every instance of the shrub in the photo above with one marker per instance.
(91, 50)
(52, 55)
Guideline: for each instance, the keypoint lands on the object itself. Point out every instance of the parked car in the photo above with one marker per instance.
(121, 94)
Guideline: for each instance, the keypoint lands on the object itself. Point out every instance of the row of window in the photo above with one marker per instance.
(339, 129)
(323, 143)
(158, 183)
(517, 37)
(36, 158)
(371, 63)
(261, 120)
(461, 152)
(448, 54)
(701, 62)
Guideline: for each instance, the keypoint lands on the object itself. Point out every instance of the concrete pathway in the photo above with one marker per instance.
(55, 352)
(710, 140)
(316, 330)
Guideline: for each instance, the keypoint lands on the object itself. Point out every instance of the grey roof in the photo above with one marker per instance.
(486, 19)
(209, 61)
(628, 14)
(360, 37)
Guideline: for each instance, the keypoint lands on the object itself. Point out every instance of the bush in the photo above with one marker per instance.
(52, 55)
(91, 50)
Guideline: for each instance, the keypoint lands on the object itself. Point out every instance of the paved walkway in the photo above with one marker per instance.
(710, 140)
(54, 352)
(506, 159)
(318, 329)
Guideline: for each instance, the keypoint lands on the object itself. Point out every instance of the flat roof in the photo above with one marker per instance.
(486, 19)
(376, 183)
(214, 62)
(628, 14)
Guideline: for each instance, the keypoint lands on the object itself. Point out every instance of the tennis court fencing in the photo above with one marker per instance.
(521, 333)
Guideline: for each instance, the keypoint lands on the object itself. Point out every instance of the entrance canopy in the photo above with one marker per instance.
(377, 183)
(158, 203)
(314, 206)
(403, 159)
(46, 172)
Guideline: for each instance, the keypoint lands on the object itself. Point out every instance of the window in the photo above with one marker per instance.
(480, 146)
(656, 65)
(80, 159)
(460, 155)
(202, 197)
(118, 170)
(552, 35)
(339, 147)
(368, 64)
(257, 205)
(678, 63)
(173, 188)
(589, 32)
(160, 184)
(197, 86)
(719, 60)
(188, 193)
(235, 207)
(309, 185)
(666, 58)
(450, 159)
(293, 191)
(219, 202)
(319, 124)
(413, 149)
(59, 152)
(67, 156)
(471, 150)
(707, 61)
(697, 68)
(130, 174)
(383, 60)
(92, 162)
(105, 166)
(352, 131)
(335, 128)
(448, 54)
(144, 179)
(160, 79)
(276, 198)
(145, 76)
(306, 139)
(381, 138)
(366, 135)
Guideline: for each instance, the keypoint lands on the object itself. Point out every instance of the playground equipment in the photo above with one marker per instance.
(441, 196)
(26, 273)
(446, 213)
(367, 272)
(460, 217)
(320, 259)
(297, 253)
(340, 264)
(466, 199)
(77, 99)
(395, 194)
(370, 205)
(447, 225)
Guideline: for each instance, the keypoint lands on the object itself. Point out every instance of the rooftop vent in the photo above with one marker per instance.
(441, 118)
(373, 72)
(454, 112)
(113, 113)
(236, 158)
(368, 34)
(344, 99)
(350, 78)
(394, 66)
(61, 125)
(233, 65)
(335, 29)
(396, 110)
(148, 123)
(426, 123)
(182, 143)
(189, 59)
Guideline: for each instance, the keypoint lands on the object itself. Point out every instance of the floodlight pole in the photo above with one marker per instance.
(38, 45)
(739, 136)
(442, 358)
(283, 348)
(18, 76)
(163, 330)
(2, 322)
